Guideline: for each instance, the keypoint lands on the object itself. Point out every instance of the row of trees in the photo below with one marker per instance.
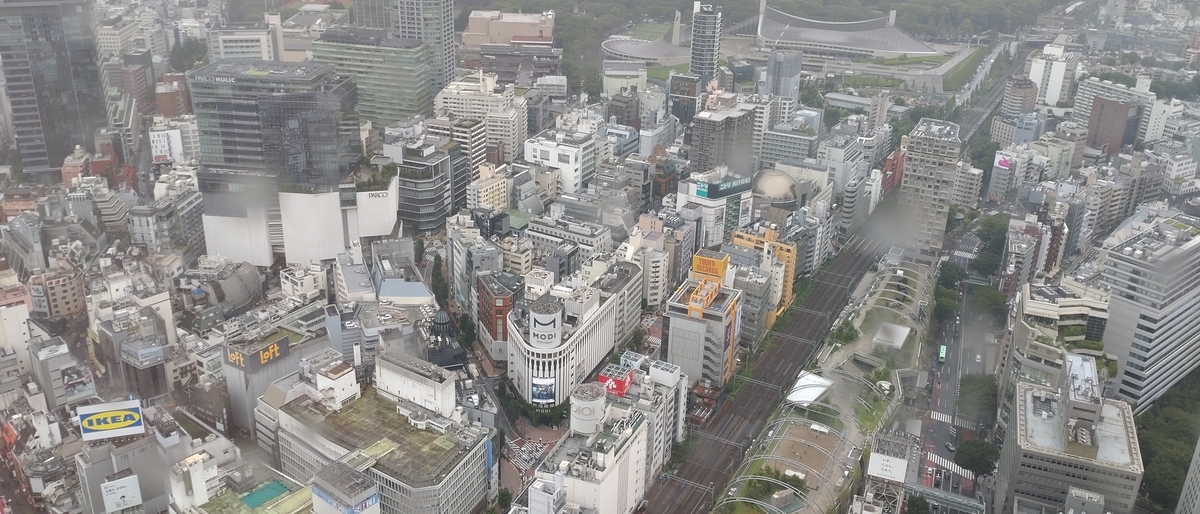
(1167, 434)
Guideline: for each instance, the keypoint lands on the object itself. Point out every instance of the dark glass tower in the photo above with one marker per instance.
(268, 127)
(52, 82)
(295, 122)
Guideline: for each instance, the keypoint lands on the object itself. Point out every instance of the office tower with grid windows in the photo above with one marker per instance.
(933, 149)
(51, 79)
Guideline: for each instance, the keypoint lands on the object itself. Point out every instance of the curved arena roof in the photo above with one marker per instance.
(876, 38)
(659, 51)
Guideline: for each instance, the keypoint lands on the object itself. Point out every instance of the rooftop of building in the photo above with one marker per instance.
(1154, 233)
(344, 479)
(720, 299)
(256, 490)
(616, 66)
(372, 424)
(617, 277)
(258, 70)
(576, 454)
(929, 128)
(514, 17)
(368, 37)
(1041, 424)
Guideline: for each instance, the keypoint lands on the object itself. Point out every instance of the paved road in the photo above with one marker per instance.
(704, 475)
(975, 116)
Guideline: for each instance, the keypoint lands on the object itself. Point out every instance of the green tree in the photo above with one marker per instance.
(989, 302)
(945, 303)
(950, 275)
(441, 289)
(419, 250)
(845, 333)
(917, 504)
(504, 499)
(977, 456)
(189, 54)
(466, 330)
(977, 395)
(17, 166)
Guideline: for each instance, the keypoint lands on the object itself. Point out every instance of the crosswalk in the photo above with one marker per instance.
(965, 255)
(950, 465)
(946, 418)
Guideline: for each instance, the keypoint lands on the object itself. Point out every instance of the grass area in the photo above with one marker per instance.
(852, 81)
(962, 72)
(868, 418)
(647, 31)
(663, 72)
(901, 61)
(191, 427)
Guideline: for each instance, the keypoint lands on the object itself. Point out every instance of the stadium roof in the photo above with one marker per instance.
(659, 51)
(877, 37)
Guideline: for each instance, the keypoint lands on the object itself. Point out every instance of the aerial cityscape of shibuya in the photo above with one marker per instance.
(599, 257)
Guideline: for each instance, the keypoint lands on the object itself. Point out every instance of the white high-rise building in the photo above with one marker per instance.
(1189, 499)
(504, 113)
(557, 340)
(706, 40)
(1093, 87)
(1152, 264)
(1053, 70)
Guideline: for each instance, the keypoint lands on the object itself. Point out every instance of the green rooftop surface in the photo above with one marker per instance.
(230, 502)
(371, 424)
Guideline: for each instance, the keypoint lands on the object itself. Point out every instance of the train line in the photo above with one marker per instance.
(728, 433)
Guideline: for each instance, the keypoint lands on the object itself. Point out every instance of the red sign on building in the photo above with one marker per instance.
(616, 382)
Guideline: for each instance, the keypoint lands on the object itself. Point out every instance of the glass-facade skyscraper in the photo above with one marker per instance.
(51, 79)
(265, 128)
(295, 122)
(394, 75)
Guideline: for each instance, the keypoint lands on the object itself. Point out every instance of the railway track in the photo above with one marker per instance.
(722, 445)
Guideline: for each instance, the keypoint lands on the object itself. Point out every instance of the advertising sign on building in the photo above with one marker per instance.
(109, 420)
(543, 391)
(252, 361)
(121, 494)
(616, 380)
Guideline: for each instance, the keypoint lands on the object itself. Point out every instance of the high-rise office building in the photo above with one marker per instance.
(933, 148)
(723, 137)
(1020, 95)
(706, 40)
(51, 79)
(267, 127)
(395, 76)
(1152, 265)
(431, 21)
(783, 74)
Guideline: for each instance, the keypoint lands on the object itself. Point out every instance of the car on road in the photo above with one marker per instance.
(732, 491)
(951, 447)
(978, 359)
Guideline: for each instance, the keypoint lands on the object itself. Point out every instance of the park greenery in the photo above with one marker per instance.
(950, 275)
(977, 396)
(1167, 434)
(977, 456)
(964, 70)
(845, 333)
(763, 489)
